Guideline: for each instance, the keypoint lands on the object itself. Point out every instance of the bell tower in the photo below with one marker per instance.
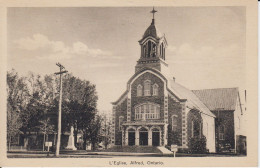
(153, 45)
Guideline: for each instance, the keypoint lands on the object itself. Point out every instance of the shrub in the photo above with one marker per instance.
(197, 145)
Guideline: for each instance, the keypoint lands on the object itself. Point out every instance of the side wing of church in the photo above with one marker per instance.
(155, 110)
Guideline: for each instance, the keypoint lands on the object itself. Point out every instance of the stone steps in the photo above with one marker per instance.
(164, 150)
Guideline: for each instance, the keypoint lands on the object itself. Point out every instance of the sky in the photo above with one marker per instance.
(206, 45)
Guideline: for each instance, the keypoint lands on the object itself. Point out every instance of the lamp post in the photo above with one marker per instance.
(62, 71)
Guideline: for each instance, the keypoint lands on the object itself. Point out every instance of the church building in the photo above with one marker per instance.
(155, 110)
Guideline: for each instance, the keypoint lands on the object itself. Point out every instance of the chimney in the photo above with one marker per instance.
(173, 79)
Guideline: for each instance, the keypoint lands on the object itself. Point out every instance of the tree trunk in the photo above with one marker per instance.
(93, 146)
(47, 137)
(43, 144)
(84, 142)
(54, 141)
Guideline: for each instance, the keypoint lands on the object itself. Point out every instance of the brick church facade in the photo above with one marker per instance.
(155, 110)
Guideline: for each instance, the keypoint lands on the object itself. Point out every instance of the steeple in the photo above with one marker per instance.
(153, 12)
(153, 45)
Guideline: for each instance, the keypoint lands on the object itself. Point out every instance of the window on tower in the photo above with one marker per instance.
(149, 48)
(154, 50)
(161, 50)
(163, 53)
(139, 90)
(144, 51)
(147, 88)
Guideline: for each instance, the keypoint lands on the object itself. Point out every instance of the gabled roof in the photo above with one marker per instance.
(182, 93)
(193, 101)
(123, 96)
(222, 98)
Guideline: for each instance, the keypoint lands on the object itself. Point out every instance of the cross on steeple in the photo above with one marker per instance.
(153, 12)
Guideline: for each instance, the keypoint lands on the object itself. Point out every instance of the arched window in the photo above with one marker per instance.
(174, 122)
(149, 48)
(144, 51)
(162, 51)
(147, 111)
(154, 50)
(196, 128)
(147, 88)
(120, 122)
(139, 90)
(155, 90)
(221, 132)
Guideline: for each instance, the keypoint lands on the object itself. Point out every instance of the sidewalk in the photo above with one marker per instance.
(112, 153)
(100, 154)
(79, 153)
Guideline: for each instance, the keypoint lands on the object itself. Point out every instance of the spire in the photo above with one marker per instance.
(153, 12)
(153, 45)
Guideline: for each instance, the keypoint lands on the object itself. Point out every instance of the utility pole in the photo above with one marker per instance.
(105, 131)
(62, 71)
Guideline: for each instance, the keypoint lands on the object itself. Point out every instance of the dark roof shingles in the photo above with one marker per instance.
(214, 99)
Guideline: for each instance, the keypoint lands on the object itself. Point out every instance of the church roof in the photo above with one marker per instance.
(153, 31)
(192, 100)
(223, 98)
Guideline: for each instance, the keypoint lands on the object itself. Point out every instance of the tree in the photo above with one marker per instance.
(46, 128)
(105, 130)
(92, 132)
(13, 124)
(33, 105)
(17, 98)
(80, 101)
(41, 101)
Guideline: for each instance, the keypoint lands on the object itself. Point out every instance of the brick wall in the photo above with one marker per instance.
(195, 117)
(120, 111)
(225, 118)
(142, 99)
(156, 65)
(174, 135)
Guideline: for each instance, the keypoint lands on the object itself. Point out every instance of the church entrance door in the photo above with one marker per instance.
(131, 138)
(156, 138)
(143, 137)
